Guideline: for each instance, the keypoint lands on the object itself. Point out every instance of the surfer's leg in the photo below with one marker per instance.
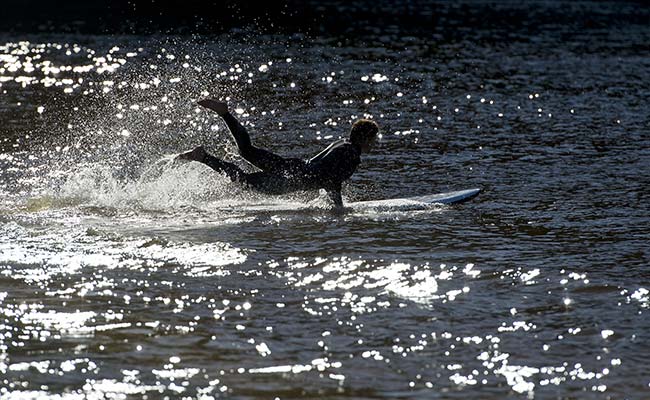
(261, 158)
(233, 172)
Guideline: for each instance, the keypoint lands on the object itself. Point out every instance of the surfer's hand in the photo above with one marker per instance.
(219, 107)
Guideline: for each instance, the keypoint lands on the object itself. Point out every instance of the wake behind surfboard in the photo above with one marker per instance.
(417, 202)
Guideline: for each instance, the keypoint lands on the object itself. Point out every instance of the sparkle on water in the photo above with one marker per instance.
(124, 274)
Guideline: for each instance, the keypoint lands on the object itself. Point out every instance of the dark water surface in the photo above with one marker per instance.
(123, 275)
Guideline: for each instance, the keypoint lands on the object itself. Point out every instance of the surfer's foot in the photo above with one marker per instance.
(198, 154)
(217, 106)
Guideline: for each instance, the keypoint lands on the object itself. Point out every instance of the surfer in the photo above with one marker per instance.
(278, 175)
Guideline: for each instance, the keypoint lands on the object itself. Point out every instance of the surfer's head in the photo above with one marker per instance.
(364, 134)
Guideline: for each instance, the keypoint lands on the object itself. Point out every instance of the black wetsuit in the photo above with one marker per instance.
(327, 170)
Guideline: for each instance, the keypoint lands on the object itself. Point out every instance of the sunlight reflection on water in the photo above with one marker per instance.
(124, 275)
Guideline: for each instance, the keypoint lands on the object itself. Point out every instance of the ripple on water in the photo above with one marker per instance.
(123, 276)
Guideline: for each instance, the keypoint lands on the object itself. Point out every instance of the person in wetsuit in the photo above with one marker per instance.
(278, 175)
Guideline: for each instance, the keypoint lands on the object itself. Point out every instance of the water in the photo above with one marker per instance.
(125, 275)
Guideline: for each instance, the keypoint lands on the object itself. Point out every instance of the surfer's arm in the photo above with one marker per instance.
(334, 195)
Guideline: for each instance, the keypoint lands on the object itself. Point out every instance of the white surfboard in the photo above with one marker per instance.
(417, 202)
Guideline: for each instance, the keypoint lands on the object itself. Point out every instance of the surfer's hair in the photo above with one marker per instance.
(362, 131)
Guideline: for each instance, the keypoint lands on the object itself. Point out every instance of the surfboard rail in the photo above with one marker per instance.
(455, 197)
